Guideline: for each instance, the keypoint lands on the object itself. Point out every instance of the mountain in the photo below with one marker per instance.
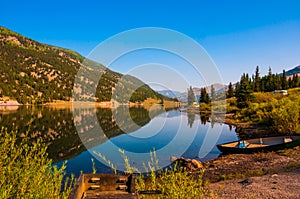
(197, 91)
(34, 73)
(293, 71)
(56, 127)
(169, 93)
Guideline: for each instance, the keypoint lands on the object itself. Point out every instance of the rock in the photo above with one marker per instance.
(190, 164)
(274, 175)
(197, 164)
(211, 166)
(245, 182)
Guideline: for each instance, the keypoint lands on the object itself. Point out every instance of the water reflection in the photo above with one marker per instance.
(69, 132)
(55, 126)
(191, 119)
(204, 118)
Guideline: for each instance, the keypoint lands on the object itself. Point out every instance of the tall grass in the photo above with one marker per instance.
(26, 171)
(173, 182)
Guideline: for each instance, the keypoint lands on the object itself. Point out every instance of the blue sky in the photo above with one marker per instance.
(238, 35)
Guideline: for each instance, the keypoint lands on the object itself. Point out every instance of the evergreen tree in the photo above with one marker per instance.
(284, 83)
(270, 81)
(191, 96)
(230, 92)
(295, 81)
(204, 97)
(290, 82)
(257, 80)
(244, 92)
(237, 87)
(277, 82)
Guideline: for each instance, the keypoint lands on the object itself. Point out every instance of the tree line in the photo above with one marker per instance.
(244, 89)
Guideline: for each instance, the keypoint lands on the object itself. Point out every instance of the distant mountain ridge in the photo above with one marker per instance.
(34, 73)
(293, 71)
(182, 96)
(169, 93)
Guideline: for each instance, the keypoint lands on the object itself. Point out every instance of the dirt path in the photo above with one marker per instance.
(283, 185)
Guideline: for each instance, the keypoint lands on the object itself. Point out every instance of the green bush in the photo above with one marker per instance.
(281, 115)
(26, 172)
(205, 107)
(173, 182)
(284, 116)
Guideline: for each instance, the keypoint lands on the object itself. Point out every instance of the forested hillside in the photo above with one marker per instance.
(35, 73)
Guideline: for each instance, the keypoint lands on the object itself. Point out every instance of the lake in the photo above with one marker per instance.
(81, 134)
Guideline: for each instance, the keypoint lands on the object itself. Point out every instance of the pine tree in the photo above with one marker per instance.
(230, 92)
(270, 81)
(295, 80)
(191, 96)
(290, 82)
(244, 92)
(257, 80)
(284, 83)
(204, 97)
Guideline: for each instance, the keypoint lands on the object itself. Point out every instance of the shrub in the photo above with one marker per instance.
(26, 172)
(281, 115)
(172, 182)
(285, 116)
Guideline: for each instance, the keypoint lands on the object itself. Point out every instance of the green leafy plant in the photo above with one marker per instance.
(173, 182)
(26, 171)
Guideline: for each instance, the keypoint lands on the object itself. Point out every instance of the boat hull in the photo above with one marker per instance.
(270, 144)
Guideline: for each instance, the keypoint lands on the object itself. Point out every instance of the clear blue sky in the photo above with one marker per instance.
(238, 35)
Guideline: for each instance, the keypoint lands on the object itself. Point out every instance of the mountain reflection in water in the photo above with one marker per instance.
(69, 133)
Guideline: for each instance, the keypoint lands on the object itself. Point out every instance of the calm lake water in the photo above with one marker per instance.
(80, 134)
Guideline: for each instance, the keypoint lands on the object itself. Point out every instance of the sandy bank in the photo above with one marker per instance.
(262, 175)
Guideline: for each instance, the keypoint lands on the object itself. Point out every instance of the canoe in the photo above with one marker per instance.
(260, 144)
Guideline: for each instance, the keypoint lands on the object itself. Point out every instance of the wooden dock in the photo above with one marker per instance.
(93, 186)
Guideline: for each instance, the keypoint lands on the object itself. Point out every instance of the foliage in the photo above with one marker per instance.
(244, 92)
(231, 105)
(191, 96)
(284, 116)
(230, 92)
(204, 97)
(270, 82)
(256, 80)
(246, 86)
(36, 73)
(26, 172)
(205, 107)
(173, 182)
(280, 113)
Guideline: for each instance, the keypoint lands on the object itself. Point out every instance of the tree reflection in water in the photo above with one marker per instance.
(55, 125)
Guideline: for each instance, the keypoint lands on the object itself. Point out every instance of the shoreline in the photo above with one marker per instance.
(260, 175)
(247, 130)
(239, 175)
